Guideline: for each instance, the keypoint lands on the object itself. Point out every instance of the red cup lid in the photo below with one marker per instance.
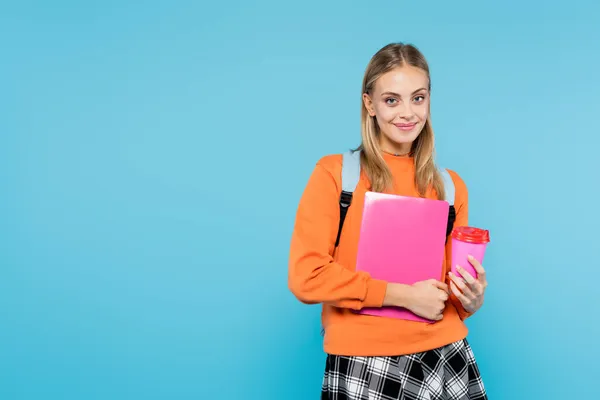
(470, 234)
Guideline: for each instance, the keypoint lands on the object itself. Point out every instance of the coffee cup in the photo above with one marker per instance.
(467, 240)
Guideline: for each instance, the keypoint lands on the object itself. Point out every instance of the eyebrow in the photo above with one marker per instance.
(397, 95)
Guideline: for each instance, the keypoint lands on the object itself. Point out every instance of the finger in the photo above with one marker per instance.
(440, 285)
(444, 296)
(466, 275)
(440, 315)
(466, 290)
(474, 284)
(478, 267)
(461, 297)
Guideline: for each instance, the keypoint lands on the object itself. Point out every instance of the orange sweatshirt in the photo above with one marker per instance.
(318, 275)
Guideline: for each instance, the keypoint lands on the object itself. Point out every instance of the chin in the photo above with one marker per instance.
(403, 138)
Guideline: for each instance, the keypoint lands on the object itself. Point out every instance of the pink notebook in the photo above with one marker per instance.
(402, 240)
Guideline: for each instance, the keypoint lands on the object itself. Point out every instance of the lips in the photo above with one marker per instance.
(405, 127)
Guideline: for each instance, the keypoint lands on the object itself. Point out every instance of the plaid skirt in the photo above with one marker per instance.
(449, 372)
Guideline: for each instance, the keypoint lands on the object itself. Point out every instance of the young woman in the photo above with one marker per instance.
(371, 357)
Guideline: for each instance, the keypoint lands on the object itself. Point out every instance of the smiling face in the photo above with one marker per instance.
(399, 101)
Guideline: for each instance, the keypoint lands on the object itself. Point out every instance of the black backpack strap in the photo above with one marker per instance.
(450, 194)
(350, 178)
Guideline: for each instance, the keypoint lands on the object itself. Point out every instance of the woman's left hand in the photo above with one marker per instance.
(471, 290)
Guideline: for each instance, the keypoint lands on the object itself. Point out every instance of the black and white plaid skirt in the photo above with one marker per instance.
(449, 372)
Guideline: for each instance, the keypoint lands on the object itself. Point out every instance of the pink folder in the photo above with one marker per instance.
(402, 240)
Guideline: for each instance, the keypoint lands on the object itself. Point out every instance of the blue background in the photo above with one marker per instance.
(152, 155)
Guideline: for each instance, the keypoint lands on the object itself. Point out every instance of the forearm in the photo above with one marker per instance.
(398, 295)
(336, 285)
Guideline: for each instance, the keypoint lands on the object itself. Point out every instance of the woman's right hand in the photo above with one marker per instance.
(427, 298)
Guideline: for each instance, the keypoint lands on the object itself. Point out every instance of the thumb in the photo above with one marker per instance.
(440, 285)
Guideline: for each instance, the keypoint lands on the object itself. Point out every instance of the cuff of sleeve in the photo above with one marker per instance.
(462, 313)
(376, 289)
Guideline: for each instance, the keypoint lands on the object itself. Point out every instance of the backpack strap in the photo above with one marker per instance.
(350, 178)
(450, 195)
(448, 186)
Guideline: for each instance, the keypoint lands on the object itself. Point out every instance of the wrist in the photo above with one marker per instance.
(398, 295)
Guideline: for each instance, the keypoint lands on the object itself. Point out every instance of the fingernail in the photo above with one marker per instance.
(470, 257)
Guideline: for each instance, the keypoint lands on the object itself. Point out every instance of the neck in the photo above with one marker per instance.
(398, 154)
(398, 150)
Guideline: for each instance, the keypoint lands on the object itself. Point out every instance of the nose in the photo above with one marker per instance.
(405, 110)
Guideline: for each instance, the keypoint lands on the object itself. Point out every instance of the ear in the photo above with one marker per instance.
(368, 104)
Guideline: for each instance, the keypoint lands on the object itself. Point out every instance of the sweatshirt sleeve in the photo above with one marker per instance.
(461, 204)
(313, 275)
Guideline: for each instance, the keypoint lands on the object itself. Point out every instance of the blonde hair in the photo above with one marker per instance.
(427, 176)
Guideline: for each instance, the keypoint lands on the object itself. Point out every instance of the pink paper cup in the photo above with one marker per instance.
(468, 241)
